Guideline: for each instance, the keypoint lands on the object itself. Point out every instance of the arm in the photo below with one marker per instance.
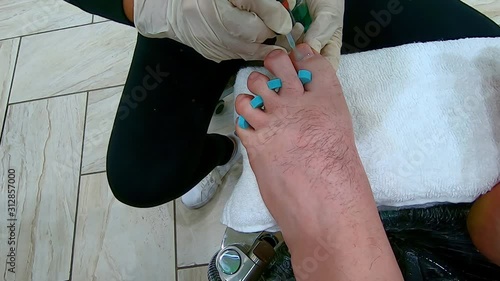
(128, 8)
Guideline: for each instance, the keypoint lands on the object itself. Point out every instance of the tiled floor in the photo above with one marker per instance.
(61, 75)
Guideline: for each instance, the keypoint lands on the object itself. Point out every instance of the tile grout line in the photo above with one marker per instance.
(175, 243)
(46, 31)
(52, 30)
(72, 259)
(193, 266)
(92, 173)
(10, 88)
(68, 94)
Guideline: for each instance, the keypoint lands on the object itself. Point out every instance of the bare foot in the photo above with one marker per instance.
(302, 151)
(304, 137)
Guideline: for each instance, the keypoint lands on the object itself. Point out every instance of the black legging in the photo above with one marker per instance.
(159, 147)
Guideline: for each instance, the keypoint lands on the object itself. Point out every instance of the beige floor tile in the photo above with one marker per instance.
(193, 274)
(42, 143)
(118, 242)
(101, 111)
(199, 232)
(8, 52)
(490, 8)
(22, 17)
(73, 60)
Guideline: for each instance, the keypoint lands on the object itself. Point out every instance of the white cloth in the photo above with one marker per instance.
(427, 125)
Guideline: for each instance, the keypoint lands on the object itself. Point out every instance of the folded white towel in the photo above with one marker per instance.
(427, 125)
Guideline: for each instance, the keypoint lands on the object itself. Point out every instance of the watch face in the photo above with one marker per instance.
(229, 262)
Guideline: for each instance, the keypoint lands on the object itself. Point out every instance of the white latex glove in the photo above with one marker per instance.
(272, 13)
(297, 33)
(215, 28)
(325, 33)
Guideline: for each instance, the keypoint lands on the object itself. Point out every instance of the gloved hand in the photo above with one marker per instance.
(297, 34)
(325, 33)
(272, 12)
(217, 29)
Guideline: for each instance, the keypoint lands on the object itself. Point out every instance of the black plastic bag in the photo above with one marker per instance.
(430, 244)
(433, 244)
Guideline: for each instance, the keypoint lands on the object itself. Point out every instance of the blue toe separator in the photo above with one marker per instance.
(274, 84)
(243, 123)
(305, 76)
(257, 102)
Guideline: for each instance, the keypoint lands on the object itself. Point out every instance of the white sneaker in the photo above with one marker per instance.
(205, 190)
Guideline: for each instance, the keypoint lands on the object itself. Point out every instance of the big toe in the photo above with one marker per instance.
(321, 70)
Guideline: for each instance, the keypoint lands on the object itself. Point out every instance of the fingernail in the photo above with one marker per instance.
(302, 51)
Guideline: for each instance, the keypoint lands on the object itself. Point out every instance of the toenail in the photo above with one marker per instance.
(253, 75)
(274, 84)
(243, 123)
(274, 53)
(257, 102)
(302, 51)
(305, 76)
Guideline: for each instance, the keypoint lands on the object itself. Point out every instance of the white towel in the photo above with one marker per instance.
(427, 125)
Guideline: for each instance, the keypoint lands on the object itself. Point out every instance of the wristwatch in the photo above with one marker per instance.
(245, 256)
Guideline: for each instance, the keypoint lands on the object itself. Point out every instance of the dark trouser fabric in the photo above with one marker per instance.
(376, 24)
(159, 147)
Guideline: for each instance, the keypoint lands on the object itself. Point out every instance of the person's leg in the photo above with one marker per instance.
(110, 9)
(376, 24)
(159, 147)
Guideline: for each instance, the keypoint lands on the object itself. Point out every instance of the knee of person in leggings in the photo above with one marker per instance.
(138, 189)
